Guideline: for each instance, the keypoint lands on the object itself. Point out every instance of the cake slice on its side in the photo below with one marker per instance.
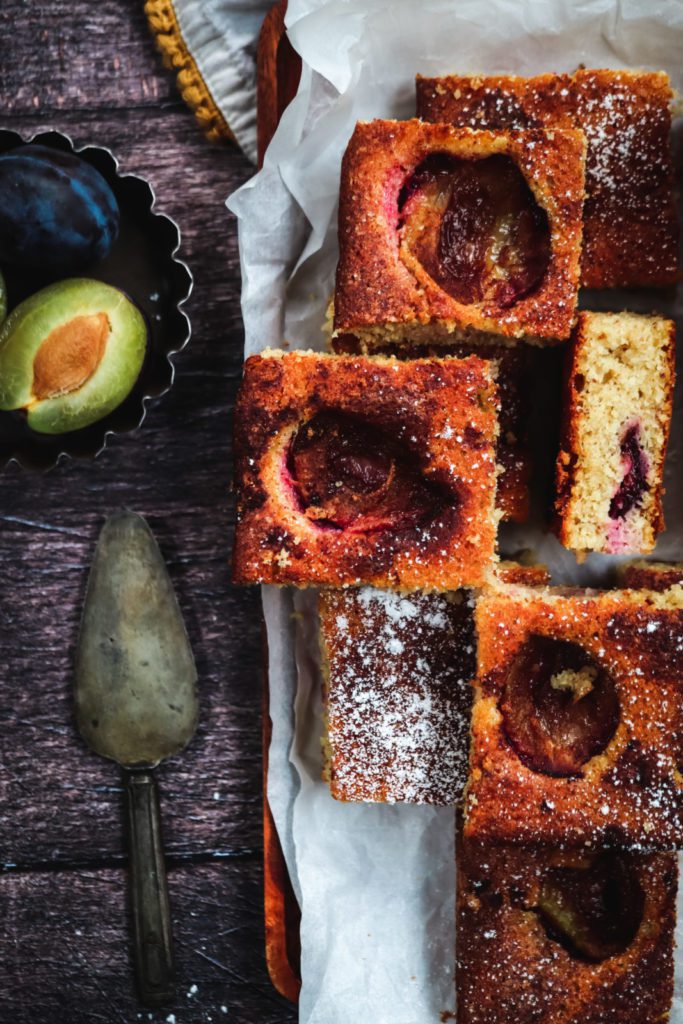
(564, 937)
(630, 232)
(354, 470)
(616, 419)
(397, 671)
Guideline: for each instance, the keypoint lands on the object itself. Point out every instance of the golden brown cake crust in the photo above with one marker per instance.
(629, 792)
(643, 575)
(512, 451)
(528, 575)
(572, 456)
(510, 969)
(397, 672)
(440, 418)
(496, 102)
(376, 288)
(630, 235)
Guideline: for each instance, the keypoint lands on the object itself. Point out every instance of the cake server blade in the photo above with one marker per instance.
(136, 702)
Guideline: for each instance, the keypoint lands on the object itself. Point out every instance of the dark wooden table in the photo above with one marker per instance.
(92, 70)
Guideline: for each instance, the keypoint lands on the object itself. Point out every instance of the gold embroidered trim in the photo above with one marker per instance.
(175, 55)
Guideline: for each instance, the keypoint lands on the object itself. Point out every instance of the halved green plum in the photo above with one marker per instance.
(70, 354)
(3, 299)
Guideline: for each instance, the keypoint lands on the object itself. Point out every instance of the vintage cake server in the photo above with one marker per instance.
(136, 703)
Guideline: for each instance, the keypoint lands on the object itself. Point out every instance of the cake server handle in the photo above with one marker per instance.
(149, 891)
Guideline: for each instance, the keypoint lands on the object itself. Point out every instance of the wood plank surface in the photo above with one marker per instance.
(92, 70)
(65, 955)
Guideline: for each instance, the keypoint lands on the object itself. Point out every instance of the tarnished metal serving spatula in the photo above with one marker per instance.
(136, 702)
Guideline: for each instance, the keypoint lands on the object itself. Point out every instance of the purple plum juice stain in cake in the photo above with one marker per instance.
(635, 468)
(629, 494)
(476, 228)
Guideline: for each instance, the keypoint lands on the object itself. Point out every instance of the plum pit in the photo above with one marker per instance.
(594, 909)
(559, 707)
(70, 355)
(476, 228)
(350, 475)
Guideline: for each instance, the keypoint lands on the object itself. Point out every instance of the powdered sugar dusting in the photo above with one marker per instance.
(398, 694)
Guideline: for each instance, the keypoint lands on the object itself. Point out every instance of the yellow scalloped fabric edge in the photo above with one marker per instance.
(175, 55)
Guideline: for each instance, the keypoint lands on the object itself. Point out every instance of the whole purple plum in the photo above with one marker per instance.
(57, 212)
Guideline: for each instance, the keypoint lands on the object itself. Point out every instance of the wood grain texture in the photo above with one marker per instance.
(78, 55)
(66, 955)
(91, 70)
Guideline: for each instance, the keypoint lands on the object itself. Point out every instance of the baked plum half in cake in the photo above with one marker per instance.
(616, 419)
(476, 228)
(350, 476)
(513, 379)
(592, 905)
(576, 722)
(563, 936)
(447, 234)
(356, 470)
(559, 706)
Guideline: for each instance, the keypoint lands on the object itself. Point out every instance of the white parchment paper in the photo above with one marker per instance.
(376, 883)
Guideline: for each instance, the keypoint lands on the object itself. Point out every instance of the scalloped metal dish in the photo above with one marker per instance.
(143, 263)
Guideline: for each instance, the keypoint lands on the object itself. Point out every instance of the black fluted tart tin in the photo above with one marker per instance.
(144, 264)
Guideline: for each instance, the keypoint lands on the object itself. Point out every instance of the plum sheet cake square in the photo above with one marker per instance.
(630, 231)
(616, 418)
(446, 232)
(397, 672)
(576, 729)
(564, 937)
(355, 470)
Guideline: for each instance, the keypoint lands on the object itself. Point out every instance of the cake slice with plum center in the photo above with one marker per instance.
(354, 470)
(616, 419)
(577, 718)
(568, 937)
(446, 233)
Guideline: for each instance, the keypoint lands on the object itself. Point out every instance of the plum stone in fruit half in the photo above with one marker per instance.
(70, 354)
(56, 210)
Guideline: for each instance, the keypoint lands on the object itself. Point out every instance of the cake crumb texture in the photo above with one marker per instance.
(616, 419)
